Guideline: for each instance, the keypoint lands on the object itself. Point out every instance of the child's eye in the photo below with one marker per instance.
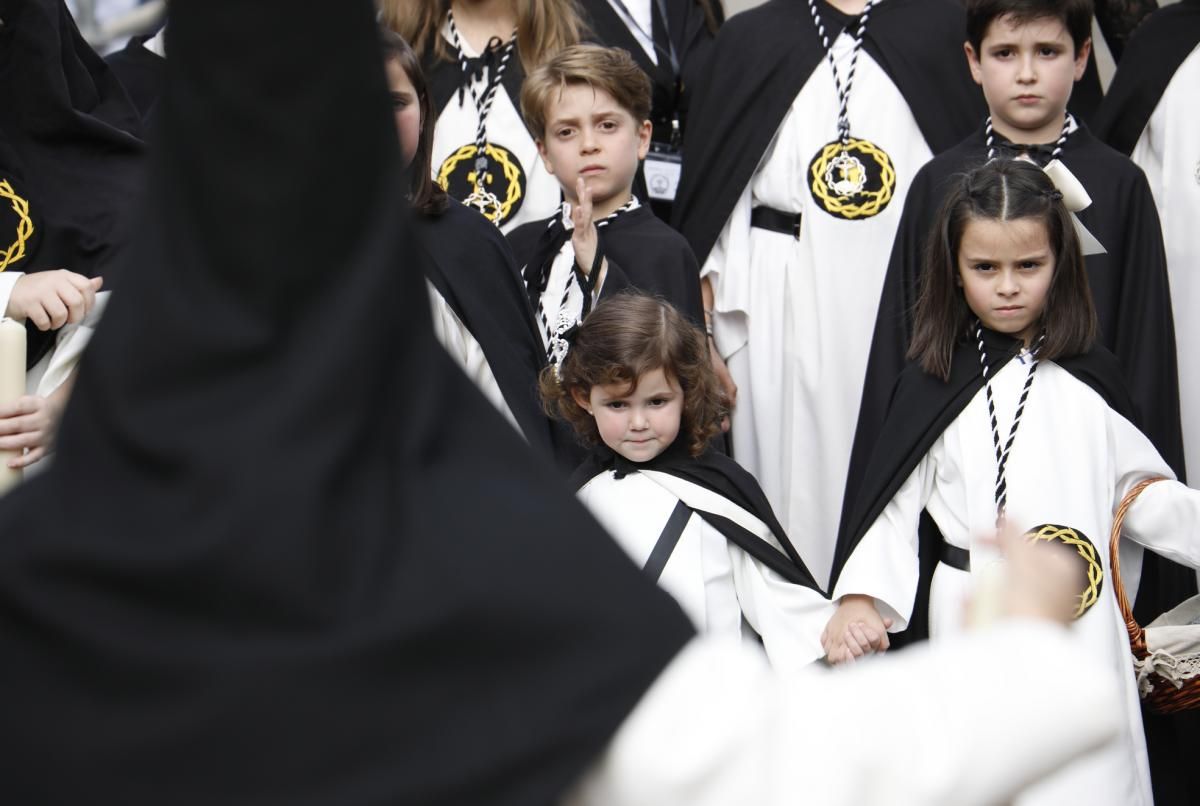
(616, 405)
(1002, 53)
(565, 131)
(1048, 52)
(608, 125)
(658, 402)
(400, 101)
(983, 267)
(1030, 265)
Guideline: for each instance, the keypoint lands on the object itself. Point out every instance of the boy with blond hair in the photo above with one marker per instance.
(588, 108)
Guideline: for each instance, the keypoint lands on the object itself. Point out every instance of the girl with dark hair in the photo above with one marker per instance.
(638, 387)
(1010, 413)
(480, 312)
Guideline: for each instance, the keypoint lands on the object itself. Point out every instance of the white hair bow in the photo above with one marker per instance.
(1075, 198)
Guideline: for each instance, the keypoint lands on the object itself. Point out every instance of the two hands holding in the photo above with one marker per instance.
(1036, 581)
(49, 299)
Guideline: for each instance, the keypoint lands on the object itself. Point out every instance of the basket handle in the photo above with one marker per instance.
(1137, 636)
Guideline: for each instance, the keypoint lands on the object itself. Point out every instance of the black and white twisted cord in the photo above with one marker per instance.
(1068, 127)
(1002, 452)
(483, 104)
(556, 346)
(843, 90)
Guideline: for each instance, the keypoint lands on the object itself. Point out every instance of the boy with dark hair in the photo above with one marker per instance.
(800, 150)
(588, 108)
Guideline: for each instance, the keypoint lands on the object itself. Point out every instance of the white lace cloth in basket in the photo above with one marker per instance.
(1173, 643)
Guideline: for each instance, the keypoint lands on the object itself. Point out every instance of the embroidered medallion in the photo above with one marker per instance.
(852, 180)
(22, 226)
(498, 193)
(1091, 570)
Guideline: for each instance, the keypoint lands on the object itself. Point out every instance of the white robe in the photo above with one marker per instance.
(1072, 462)
(1169, 153)
(793, 318)
(715, 582)
(456, 128)
(932, 726)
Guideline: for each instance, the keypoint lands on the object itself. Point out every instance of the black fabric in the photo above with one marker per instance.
(469, 263)
(141, 72)
(716, 472)
(642, 252)
(769, 218)
(667, 541)
(447, 81)
(69, 138)
(1165, 39)
(761, 60)
(1129, 286)
(287, 553)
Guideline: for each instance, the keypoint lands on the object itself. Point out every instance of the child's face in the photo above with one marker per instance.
(588, 134)
(1027, 71)
(1005, 269)
(641, 423)
(407, 109)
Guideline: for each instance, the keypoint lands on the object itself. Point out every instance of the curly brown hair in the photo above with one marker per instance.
(623, 338)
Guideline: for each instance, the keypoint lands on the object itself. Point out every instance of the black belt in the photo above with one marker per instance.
(955, 557)
(769, 218)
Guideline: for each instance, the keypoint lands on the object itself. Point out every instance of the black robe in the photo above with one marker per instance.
(716, 472)
(287, 553)
(70, 146)
(642, 252)
(1156, 50)
(141, 72)
(762, 59)
(1129, 287)
(469, 263)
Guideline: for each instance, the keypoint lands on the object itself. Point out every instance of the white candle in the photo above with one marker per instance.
(12, 386)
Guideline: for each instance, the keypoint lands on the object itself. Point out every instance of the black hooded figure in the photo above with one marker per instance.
(302, 561)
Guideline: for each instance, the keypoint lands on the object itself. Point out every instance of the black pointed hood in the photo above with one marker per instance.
(287, 554)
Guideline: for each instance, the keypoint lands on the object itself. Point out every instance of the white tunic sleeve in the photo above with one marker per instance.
(726, 271)
(934, 725)
(1166, 516)
(884, 563)
(453, 335)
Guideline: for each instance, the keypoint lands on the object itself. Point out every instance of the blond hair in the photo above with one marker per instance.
(612, 70)
(544, 27)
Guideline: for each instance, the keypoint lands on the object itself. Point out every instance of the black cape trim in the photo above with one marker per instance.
(1156, 50)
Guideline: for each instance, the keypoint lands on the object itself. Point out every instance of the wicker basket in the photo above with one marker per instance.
(1173, 642)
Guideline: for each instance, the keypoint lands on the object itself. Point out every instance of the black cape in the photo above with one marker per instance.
(1129, 286)
(689, 33)
(762, 59)
(141, 72)
(1165, 39)
(470, 264)
(717, 473)
(642, 251)
(287, 553)
(69, 145)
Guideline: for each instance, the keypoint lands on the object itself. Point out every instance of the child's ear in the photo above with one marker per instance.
(541, 147)
(581, 401)
(644, 133)
(973, 63)
(1081, 58)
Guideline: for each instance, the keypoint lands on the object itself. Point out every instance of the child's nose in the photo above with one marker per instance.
(1027, 71)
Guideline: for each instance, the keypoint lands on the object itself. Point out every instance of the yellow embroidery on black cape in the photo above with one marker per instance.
(24, 230)
(852, 180)
(1091, 567)
(505, 181)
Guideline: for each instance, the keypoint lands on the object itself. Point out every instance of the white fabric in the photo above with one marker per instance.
(466, 352)
(157, 44)
(1169, 153)
(1073, 460)
(456, 128)
(715, 582)
(8, 279)
(643, 31)
(793, 319)
(932, 726)
(562, 279)
(54, 368)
